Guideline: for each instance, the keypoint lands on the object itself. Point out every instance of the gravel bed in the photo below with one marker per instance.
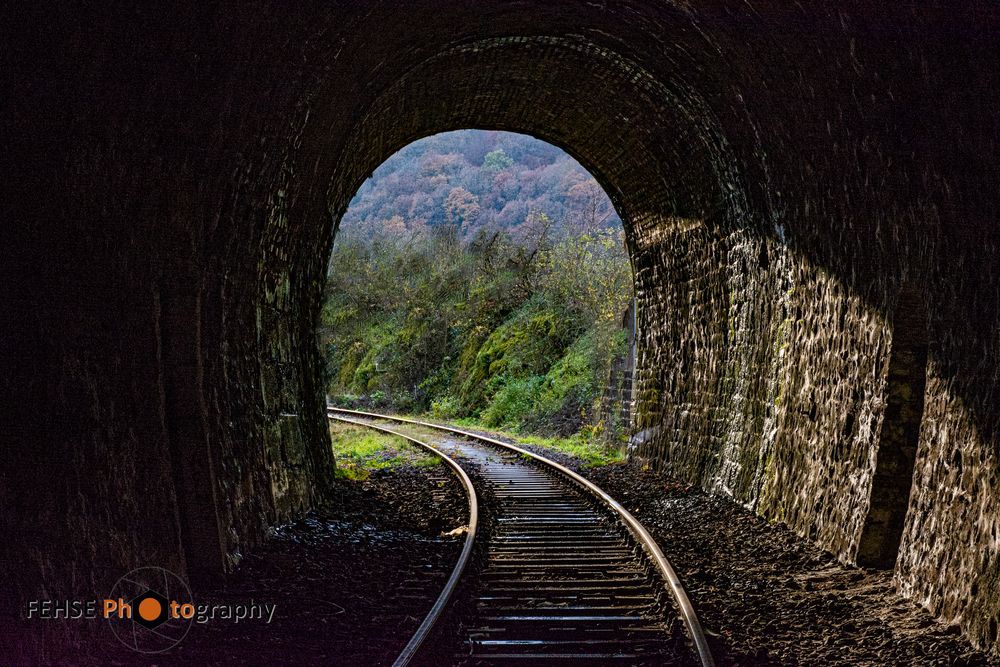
(351, 581)
(768, 597)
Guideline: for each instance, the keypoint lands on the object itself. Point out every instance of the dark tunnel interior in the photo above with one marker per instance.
(810, 204)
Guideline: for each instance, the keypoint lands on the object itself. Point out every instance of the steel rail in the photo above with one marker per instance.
(463, 559)
(676, 589)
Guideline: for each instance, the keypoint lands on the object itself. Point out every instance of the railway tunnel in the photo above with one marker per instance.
(809, 198)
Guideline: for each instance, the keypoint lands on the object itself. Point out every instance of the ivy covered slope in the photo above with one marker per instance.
(502, 302)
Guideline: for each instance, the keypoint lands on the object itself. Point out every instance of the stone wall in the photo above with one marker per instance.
(174, 175)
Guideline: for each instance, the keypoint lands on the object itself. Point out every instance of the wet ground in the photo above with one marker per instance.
(587, 600)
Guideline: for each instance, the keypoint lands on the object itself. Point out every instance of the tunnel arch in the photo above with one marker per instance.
(477, 87)
(791, 170)
(736, 247)
(677, 174)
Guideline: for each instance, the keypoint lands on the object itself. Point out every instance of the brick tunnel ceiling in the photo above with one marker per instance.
(781, 177)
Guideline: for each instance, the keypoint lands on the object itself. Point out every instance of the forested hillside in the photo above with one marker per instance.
(478, 275)
(478, 179)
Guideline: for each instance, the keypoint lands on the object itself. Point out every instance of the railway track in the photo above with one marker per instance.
(568, 575)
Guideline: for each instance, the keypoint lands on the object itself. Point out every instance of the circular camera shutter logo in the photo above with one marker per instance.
(149, 591)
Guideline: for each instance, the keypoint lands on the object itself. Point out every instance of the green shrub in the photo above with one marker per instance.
(516, 399)
(446, 407)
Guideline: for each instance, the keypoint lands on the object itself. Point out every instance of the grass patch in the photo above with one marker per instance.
(591, 450)
(359, 451)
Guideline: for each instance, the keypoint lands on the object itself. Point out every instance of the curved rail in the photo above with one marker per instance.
(463, 559)
(674, 585)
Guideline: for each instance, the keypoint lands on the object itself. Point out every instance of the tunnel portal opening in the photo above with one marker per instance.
(482, 274)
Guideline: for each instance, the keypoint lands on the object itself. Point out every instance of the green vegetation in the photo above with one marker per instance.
(589, 445)
(474, 313)
(591, 450)
(360, 450)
